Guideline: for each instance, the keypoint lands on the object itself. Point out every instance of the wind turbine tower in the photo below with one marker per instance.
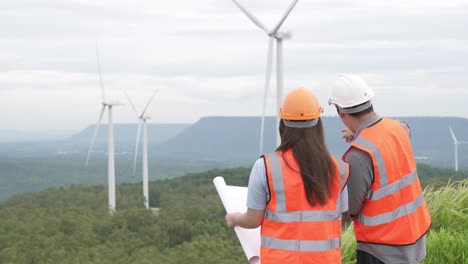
(106, 104)
(142, 123)
(455, 145)
(274, 36)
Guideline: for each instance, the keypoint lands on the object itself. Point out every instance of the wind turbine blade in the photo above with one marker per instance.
(136, 148)
(286, 14)
(100, 73)
(95, 134)
(131, 103)
(269, 68)
(149, 102)
(453, 135)
(251, 17)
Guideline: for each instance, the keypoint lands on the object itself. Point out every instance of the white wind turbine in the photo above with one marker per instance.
(142, 123)
(279, 37)
(455, 145)
(111, 166)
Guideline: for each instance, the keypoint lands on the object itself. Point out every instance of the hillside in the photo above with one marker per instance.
(236, 140)
(127, 132)
(35, 174)
(212, 142)
(76, 146)
(71, 225)
(9, 135)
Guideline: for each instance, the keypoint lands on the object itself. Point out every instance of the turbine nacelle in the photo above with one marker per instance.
(113, 103)
(281, 35)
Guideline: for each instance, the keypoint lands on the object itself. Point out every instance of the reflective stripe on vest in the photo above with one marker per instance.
(300, 216)
(393, 215)
(378, 158)
(277, 175)
(301, 245)
(394, 187)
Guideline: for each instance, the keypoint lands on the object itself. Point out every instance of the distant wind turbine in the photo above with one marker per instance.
(455, 144)
(111, 166)
(142, 123)
(279, 37)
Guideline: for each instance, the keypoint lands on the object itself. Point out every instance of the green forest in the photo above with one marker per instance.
(35, 174)
(72, 224)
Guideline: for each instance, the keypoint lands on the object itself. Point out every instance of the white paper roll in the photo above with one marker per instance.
(234, 199)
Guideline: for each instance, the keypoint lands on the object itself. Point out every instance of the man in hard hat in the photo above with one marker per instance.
(385, 198)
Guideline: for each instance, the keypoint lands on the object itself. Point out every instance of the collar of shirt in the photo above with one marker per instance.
(369, 122)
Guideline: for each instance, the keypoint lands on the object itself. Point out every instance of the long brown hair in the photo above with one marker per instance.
(315, 163)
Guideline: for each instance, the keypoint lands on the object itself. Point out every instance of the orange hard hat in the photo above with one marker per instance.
(299, 105)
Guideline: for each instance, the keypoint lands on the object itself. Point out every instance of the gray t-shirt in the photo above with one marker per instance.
(257, 195)
(361, 176)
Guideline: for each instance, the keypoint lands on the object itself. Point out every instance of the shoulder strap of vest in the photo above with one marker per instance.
(264, 157)
(344, 173)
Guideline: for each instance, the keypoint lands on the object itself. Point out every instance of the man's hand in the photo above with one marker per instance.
(345, 217)
(348, 135)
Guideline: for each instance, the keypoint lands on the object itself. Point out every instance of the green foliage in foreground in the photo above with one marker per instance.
(71, 225)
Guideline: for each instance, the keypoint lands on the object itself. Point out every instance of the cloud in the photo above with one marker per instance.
(209, 59)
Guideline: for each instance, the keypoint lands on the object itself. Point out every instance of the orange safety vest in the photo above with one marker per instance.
(293, 231)
(394, 210)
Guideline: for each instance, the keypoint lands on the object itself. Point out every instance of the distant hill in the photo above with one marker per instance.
(212, 142)
(236, 140)
(9, 135)
(221, 138)
(76, 146)
(127, 132)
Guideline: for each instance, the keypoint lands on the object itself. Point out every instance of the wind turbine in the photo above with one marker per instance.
(455, 144)
(142, 123)
(110, 164)
(274, 35)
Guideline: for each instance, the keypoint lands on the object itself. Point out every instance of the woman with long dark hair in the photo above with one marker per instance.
(297, 193)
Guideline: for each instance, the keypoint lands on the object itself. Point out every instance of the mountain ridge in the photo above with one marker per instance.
(236, 139)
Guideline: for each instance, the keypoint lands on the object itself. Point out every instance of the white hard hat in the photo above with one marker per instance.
(350, 90)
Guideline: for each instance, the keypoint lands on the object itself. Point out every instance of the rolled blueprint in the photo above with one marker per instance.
(234, 199)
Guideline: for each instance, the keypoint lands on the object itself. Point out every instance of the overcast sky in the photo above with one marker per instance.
(208, 59)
